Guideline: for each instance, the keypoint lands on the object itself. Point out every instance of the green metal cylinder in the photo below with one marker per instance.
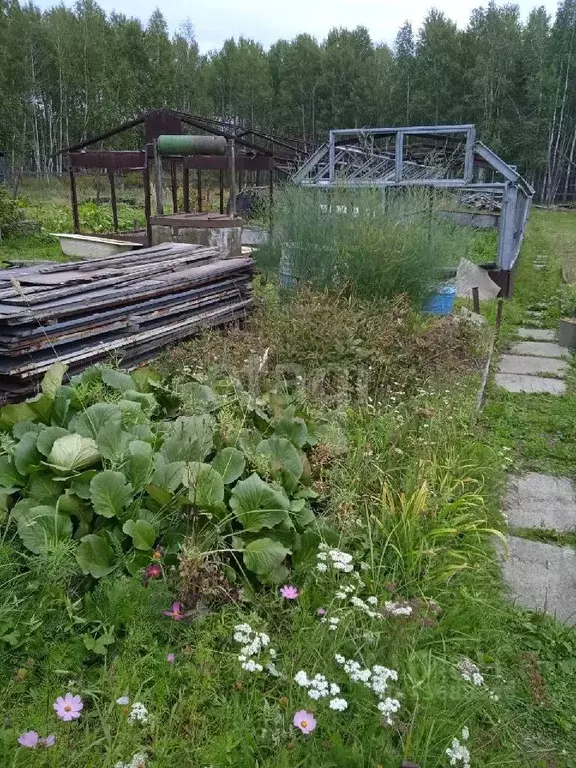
(191, 145)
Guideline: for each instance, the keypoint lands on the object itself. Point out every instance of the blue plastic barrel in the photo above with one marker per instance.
(441, 302)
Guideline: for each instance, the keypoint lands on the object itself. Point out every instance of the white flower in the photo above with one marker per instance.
(339, 659)
(271, 669)
(340, 595)
(397, 609)
(334, 689)
(302, 679)
(138, 713)
(123, 700)
(388, 707)
(338, 704)
(372, 600)
(271, 652)
(465, 733)
(477, 679)
(252, 666)
(138, 761)
(314, 693)
(458, 753)
(321, 567)
(322, 556)
(470, 672)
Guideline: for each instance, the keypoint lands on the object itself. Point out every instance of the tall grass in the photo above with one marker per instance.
(371, 242)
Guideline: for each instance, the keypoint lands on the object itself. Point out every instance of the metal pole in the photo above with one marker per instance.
(232, 201)
(398, 157)
(113, 198)
(331, 159)
(74, 200)
(158, 173)
(221, 191)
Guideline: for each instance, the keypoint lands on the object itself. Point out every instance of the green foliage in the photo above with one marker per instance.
(118, 476)
(10, 212)
(358, 241)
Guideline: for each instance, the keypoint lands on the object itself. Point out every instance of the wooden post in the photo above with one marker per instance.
(476, 299)
(147, 203)
(221, 191)
(271, 191)
(199, 190)
(74, 200)
(174, 184)
(158, 173)
(232, 200)
(240, 180)
(499, 309)
(258, 177)
(186, 189)
(113, 198)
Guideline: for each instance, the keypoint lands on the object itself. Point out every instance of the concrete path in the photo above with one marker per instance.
(537, 364)
(540, 576)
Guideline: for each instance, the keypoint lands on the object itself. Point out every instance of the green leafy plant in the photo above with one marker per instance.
(118, 478)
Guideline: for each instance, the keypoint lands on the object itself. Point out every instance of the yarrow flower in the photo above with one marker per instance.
(304, 721)
(397, 609)
(289, 592)
(175, 612)
(388, 707)
(457, 752)
(338, 704)
(377, 679)
(332, 622)
(254, 644)
(470, 672)
(341, 561)
(31, 740)
(138, 713)
(68, 707)
(137, 761)
(318, 686)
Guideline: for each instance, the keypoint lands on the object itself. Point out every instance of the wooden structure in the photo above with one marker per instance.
(255, 154)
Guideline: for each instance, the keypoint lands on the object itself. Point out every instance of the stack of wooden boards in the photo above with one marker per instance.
(123, 307)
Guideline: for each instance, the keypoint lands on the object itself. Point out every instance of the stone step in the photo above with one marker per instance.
(512, 382)
(536, 500)
(539, 349)
(537, 334)
(532, 366)
(541, 577)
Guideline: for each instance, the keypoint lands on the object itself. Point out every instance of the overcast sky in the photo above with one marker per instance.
(268, 20)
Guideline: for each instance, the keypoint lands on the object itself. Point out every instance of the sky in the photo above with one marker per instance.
(269, 20)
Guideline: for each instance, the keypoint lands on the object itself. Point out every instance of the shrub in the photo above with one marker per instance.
(9, 211)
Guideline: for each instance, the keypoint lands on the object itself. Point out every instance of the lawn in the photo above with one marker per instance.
(276, 549)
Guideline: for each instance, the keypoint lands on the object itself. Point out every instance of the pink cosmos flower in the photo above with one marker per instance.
(289, 592)
(175, 612)
(321, 612)
(29, 740)
(68, 707)
(304, 721)
(153, 571)
(170, 658)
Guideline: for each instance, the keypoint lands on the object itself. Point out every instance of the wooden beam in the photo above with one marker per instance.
(74, 201)
(199, 191)
(221, 191)
(186, 189)
(113, 198)
(147, 204)
(174, 185)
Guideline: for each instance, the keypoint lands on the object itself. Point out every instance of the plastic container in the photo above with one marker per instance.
(441, 302)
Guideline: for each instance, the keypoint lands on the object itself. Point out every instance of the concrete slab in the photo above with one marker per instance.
(537, 334)
(531, 384)
(532, 366)
(542, 577)
(543, 501)
(539, 349)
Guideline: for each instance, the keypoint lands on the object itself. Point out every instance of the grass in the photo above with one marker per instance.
(364, 243)
(411, 483)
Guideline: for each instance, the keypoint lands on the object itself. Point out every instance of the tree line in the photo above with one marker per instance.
(66, 74)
